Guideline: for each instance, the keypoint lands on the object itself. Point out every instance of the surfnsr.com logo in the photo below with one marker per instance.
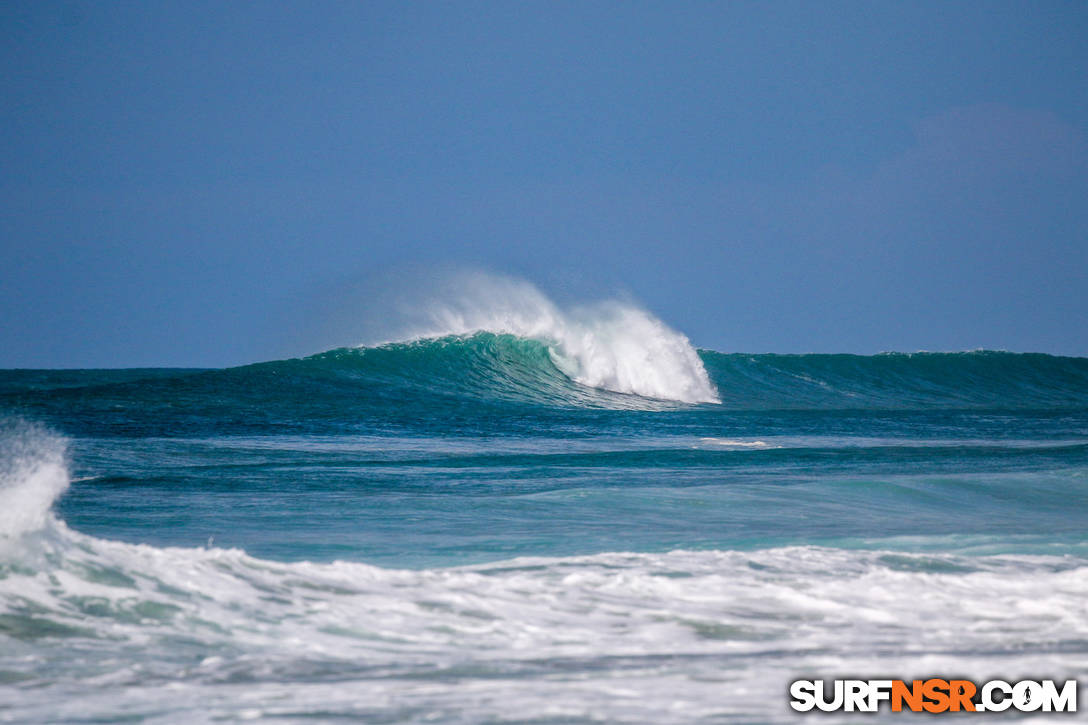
(933, 695)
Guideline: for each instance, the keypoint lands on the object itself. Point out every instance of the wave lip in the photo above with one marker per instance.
(613, 346)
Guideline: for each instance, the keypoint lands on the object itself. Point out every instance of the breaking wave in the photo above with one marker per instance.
(614, 346)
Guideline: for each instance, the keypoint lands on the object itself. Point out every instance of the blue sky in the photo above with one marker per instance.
(218, 183)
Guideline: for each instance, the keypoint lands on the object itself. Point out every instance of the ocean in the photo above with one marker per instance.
(576, 519)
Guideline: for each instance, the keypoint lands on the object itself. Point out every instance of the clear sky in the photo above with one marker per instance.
(218, 183)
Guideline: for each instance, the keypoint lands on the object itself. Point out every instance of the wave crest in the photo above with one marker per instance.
(33, 474)
(612, 345)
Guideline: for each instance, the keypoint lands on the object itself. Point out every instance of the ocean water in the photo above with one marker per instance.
(545, 516)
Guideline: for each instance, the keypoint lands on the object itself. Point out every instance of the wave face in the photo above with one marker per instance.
(479, 366)
(100, 630)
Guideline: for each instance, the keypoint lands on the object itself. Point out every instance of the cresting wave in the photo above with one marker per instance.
(612, 345)
(33, 474)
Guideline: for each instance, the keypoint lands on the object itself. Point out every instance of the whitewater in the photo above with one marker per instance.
(519, 511)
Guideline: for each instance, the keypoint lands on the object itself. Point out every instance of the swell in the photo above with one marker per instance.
(459, 378)
(980, 379)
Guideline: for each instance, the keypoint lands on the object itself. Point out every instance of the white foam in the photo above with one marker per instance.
(33, 473)
(610, 345)
(734, 443)
(192, 635)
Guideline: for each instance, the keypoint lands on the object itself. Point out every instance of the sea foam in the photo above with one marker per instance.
(33, 473)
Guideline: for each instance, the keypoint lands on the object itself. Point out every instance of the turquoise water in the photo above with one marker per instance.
(492, 527)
